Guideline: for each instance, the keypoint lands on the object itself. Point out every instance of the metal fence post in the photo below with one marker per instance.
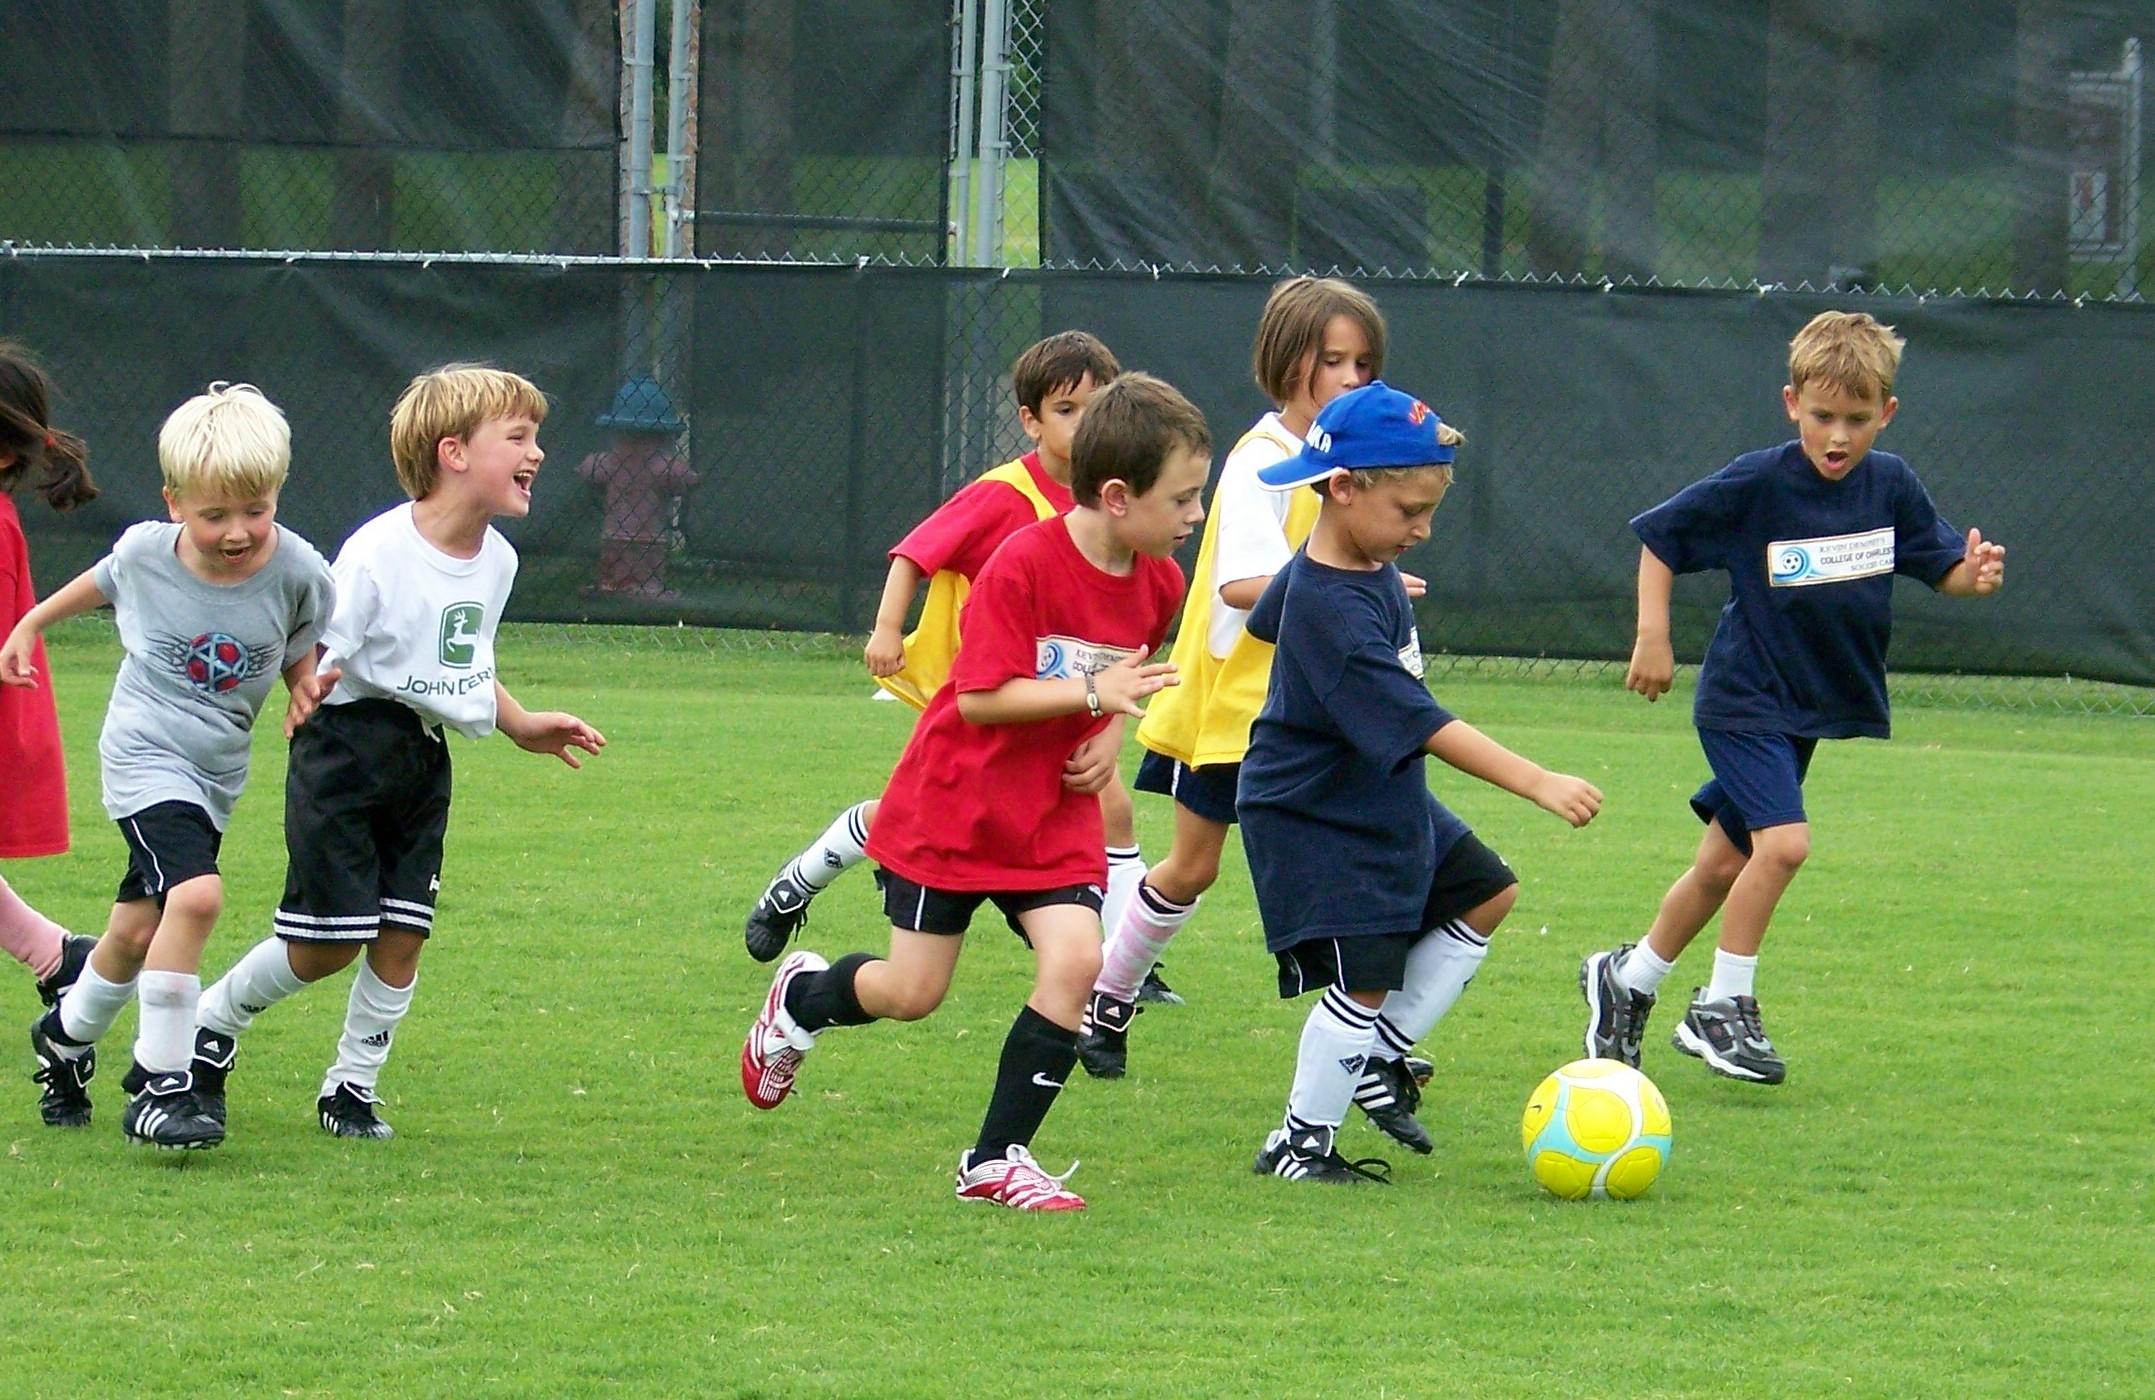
(643, 39)
(680, 84)
(965, 51)
(994, 95)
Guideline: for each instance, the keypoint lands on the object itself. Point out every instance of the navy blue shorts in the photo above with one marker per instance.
(1208, 791)
(1757, 782)
(1470, 876)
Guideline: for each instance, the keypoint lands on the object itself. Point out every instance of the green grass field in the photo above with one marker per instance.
(1949, 1196)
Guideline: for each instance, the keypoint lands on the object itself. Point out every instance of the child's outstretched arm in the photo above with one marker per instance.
(544, 731)
(1981, 571)
(1653, 662)
(307, 689)
(78, 597)
(1021, 700)
(885, 652)
(1478, 756)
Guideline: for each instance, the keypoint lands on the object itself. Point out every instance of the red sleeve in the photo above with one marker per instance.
(997, 639)
(966, 529)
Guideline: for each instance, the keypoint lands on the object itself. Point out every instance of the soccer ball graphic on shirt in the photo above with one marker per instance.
(1596, 1128)
(216, 662)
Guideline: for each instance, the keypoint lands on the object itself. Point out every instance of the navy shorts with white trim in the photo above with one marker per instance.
(366, 805)
(1209, 791)
(168, 843)
(1470, 875)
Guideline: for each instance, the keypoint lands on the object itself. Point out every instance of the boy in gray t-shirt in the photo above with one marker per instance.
(211, 606)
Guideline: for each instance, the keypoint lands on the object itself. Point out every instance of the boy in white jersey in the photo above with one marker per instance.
(420, 591)
(210, 606)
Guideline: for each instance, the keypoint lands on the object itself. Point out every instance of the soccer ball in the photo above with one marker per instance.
(216, 663)
(1596, 1128)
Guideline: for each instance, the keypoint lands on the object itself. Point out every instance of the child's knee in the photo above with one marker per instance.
(1484, 917)
(1072, 970)
(311, 962)
(1787, 847)
(198, 901)
(913, 998)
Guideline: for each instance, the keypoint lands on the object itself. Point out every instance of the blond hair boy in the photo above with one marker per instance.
(1811, 534)
(211, 606)
(410, 650)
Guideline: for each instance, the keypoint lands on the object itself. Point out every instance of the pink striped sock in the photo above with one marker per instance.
(29, 937)
(1147, 926)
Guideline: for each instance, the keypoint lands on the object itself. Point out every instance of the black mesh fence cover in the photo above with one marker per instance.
(1933, 144)
(824, 129)
(305, 124)
(823, 410)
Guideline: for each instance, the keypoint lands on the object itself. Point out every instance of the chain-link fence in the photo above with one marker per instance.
(736, 446)
(1846, 144)
(284, 124)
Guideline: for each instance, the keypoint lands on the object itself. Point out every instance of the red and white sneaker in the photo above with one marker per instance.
(1015, 1181)
(771, 1055)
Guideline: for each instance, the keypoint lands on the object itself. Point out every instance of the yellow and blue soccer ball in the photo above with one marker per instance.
(1596, 1128)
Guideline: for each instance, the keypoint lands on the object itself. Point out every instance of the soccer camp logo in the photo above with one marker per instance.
(460, 634)
(215, 663)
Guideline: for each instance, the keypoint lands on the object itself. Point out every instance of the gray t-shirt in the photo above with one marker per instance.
(200, 661)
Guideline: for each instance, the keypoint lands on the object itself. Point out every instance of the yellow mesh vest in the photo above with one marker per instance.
(1206, 719)
(933, 645)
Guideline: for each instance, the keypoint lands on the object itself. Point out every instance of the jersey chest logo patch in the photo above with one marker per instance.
(1410, 655)
(1829, 558)
(1064, 658)
(460, 634)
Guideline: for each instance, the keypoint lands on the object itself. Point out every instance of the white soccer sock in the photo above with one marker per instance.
(90, 1007)
(1336, 1042)
(1733, 976)
(1125, 872)
(255, 983)
(1642, 970)
(1439, 966)
(1149, 922)
(165, 1036)
(842, 846)
(370, 1024)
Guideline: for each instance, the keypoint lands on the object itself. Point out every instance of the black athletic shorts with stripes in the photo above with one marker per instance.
(1469, 875)
(925, 910)
(366, 805)
(168, 843)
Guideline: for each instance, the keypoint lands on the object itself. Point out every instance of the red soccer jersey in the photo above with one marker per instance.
(982, 807)
(33, 820)
(961, 534)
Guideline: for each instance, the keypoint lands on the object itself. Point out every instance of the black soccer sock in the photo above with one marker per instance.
(1037, 1056)
(820, 1000)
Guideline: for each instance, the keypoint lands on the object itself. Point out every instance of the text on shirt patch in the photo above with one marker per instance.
(1410, 655)
(1829, 559)
(1065, 658)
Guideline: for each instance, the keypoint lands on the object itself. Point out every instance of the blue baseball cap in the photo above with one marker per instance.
(1373, 426)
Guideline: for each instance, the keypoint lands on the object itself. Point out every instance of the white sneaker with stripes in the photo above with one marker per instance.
(771, 1055)
(1017, 1181)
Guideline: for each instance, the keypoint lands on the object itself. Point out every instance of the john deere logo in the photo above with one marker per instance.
(460, 634)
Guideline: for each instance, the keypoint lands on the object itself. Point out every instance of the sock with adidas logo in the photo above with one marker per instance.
(370, 1024)
(1336, 1041)
(842, 846)
(254, 984)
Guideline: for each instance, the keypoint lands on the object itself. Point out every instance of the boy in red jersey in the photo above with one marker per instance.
(982, 807)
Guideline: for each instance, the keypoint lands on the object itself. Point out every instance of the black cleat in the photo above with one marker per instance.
(214, 1053)
(66, 1100)
(778, 915)
(349, 1113)
(1309, 1156)
(1154, 991)
(1389, 1095)
(1104, 1048)
(1615, 1015)
(168, 1114)
(1728, 1036)
(74, 957)
(1419, 1070)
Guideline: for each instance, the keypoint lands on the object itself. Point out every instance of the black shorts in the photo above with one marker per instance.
(366, 804)
(1209, 791)
(168, 843)
(1470, 875)
(926, 910)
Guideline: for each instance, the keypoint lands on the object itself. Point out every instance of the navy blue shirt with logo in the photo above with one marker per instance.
(1342, 832)
(1800, 648)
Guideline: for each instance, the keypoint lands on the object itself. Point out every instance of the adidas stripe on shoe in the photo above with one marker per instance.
(771, 1055)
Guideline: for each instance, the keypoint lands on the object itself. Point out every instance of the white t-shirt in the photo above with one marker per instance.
(1252, 524)
(415, 625)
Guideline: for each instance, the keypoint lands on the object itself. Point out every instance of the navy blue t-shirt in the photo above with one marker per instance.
(1342, 833)
(1801, 646)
